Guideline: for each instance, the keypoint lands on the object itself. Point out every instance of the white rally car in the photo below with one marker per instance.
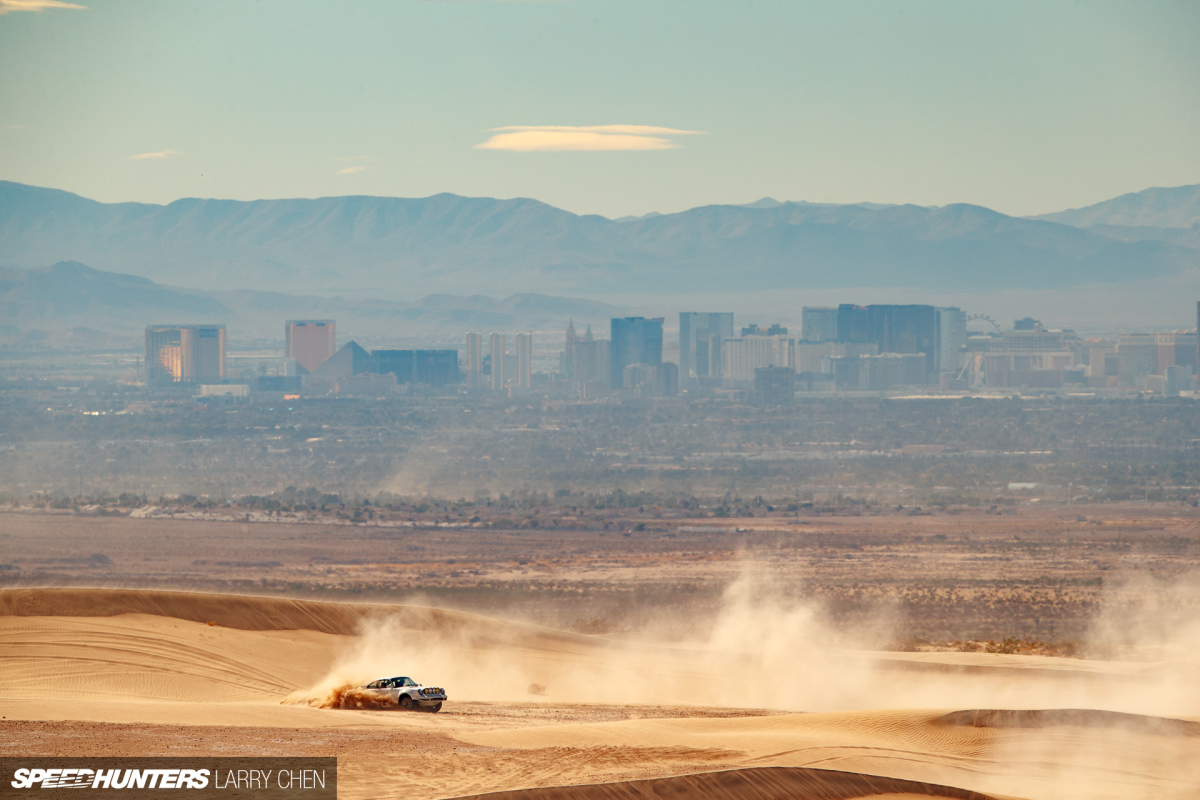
(409, 694)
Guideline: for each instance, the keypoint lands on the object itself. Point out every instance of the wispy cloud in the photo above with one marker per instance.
(533, 138)
(159, 154)
(35, 5)
(350, 170)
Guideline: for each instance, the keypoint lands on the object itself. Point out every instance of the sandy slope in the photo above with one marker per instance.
(766, 783)
(105, 657)
(1060, 761)
(259, 613)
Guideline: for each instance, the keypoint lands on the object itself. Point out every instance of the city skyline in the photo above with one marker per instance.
(849, 347)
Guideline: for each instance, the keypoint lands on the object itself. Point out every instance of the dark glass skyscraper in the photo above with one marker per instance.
(819, 324)
(432, 367)
(635, 340)
(852, 323)
(893, 329)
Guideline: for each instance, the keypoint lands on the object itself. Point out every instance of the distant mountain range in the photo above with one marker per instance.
(70, 304)
(1163, 215)
(1178, 207)
(400, 249)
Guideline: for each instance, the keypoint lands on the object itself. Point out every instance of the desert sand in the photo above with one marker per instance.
(752, 712)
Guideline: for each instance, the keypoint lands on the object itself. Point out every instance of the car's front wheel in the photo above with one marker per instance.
(406, 702)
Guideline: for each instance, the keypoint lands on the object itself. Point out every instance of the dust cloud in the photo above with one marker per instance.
(757, 651)
(353, 697)
(762, 651)
(1149, 618)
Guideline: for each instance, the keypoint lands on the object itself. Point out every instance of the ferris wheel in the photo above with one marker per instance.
(986, 319)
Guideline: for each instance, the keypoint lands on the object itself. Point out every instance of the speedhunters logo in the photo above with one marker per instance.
(195, 778)
(60, 778)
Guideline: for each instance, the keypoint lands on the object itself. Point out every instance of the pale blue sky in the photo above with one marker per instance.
(1025, 107)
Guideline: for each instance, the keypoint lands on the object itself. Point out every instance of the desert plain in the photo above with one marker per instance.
(1042, 652)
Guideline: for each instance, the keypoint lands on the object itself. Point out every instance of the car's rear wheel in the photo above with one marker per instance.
(406, 702)
(436, 707)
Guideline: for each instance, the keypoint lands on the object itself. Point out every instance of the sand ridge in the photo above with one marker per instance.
(766, 783)
(252, 613)
(1082, 717)
(914, 745)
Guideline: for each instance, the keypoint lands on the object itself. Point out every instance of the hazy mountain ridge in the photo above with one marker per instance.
(55, 301)
(830, 246)
(384, 247)
(1169, 215)
(70, 289)
(1159, 207)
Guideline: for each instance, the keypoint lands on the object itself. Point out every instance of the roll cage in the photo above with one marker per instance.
(392, 683)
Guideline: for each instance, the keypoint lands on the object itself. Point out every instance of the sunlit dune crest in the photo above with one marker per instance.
(531, 138)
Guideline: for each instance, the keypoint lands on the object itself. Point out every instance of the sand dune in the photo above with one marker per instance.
(113, 656)
(914, 745)
(498, 660)
(768, 783)
(251, 613)
(136, 657)
(1080, 717)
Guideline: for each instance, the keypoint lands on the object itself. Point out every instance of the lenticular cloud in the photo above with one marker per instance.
(532, 138)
